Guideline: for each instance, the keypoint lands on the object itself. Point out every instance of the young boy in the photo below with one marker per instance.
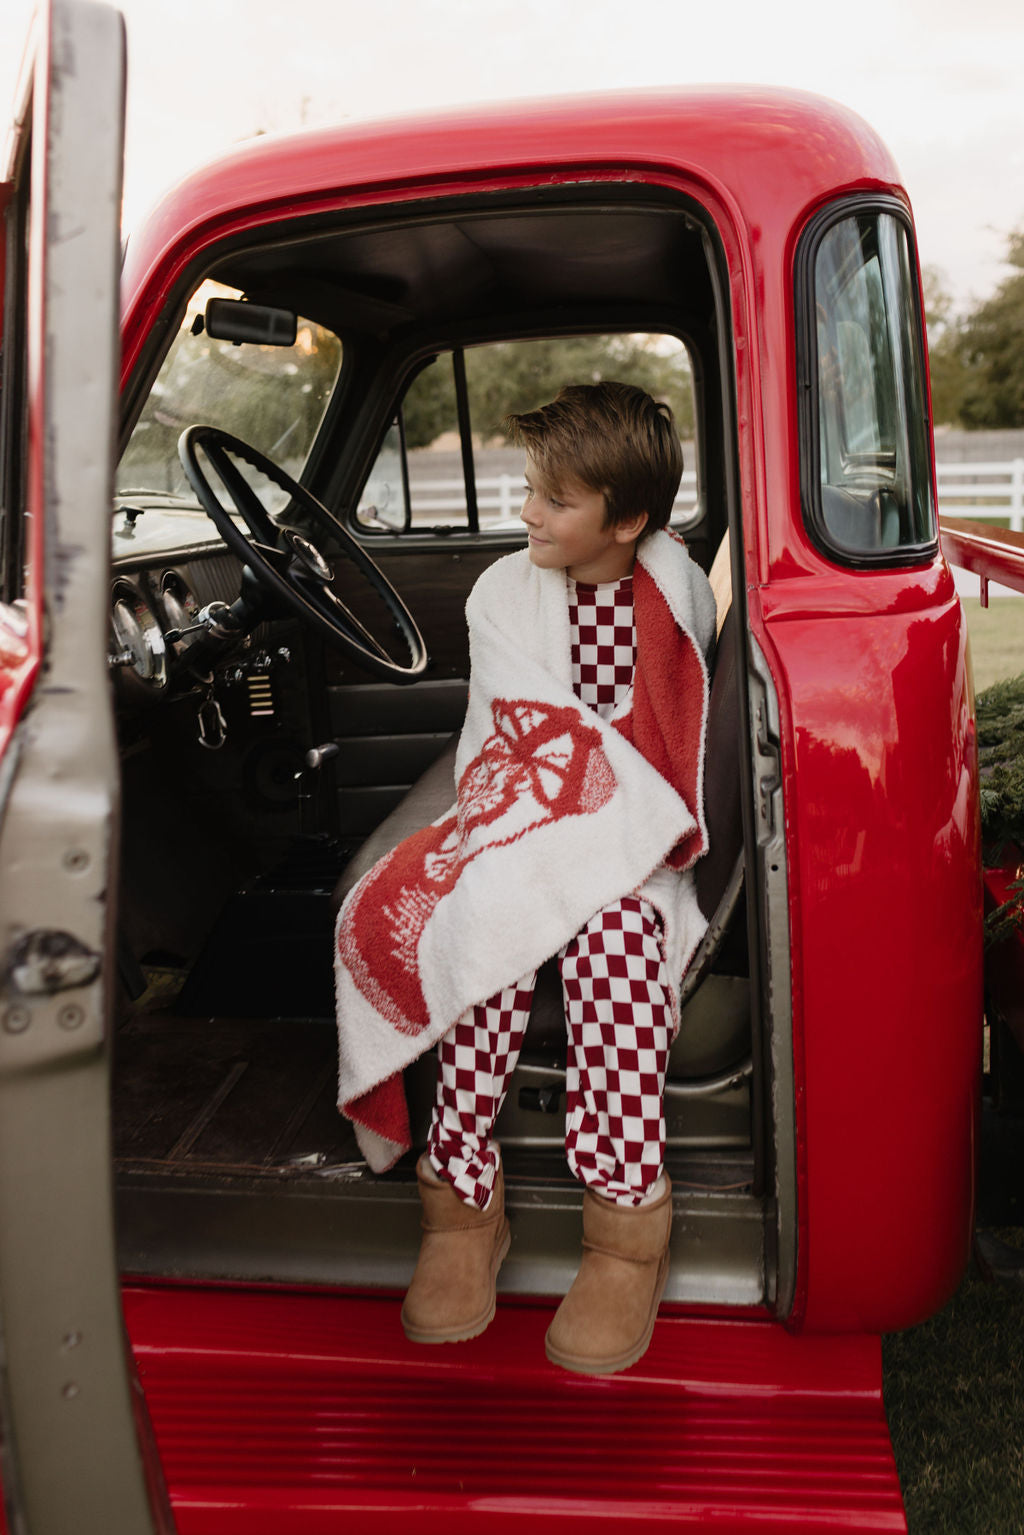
(579, 817)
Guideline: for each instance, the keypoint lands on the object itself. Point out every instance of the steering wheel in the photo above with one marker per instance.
(287, 562)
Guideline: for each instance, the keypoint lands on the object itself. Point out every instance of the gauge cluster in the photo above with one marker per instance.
(175, 634)
(138, 645)
(154, 621)
(181, 607)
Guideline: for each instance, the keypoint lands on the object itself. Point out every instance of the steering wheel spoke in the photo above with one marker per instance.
(245, 499)
(344, 615)
(287, 562)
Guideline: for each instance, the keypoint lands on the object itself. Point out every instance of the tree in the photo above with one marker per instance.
(429, 405)
(992, 348)
(945, 349)
(514, 376)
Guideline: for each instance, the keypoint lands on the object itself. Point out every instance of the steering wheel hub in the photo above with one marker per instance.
(307, 554)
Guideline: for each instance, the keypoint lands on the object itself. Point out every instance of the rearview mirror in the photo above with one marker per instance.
(232, 319)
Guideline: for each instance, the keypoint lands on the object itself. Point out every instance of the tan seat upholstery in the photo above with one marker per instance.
(429, 797)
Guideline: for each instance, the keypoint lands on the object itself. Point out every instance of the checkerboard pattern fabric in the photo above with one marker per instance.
(476, 1060)
(619, 1028)
(602, 640)
(619, 1019)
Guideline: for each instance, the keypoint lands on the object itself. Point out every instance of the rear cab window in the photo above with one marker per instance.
(446, 464)
(865, 468)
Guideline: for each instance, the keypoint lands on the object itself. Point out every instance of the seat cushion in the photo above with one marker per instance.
(430, 796)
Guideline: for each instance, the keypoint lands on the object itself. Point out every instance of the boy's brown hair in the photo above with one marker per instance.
(609, 437)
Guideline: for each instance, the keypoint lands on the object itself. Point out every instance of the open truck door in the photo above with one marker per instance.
(74, 1434)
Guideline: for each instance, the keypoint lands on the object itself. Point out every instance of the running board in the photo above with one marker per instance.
(279, 1410)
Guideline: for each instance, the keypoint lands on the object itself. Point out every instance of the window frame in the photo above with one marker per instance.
(454, 353)
(808, 398)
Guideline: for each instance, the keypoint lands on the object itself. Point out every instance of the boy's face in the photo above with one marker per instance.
(569, 530)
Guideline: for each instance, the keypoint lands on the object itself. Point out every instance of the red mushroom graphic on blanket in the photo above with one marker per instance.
(543, 762)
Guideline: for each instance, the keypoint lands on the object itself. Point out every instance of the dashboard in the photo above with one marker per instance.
(169, 568)
(155, 616)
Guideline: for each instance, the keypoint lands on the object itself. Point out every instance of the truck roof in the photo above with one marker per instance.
(768, 154)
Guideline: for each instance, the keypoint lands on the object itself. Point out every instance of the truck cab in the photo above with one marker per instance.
(249, 481)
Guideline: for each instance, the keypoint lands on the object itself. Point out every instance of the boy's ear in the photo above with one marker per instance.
(628, 532)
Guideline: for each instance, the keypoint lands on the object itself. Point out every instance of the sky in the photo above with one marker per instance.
(940, 80)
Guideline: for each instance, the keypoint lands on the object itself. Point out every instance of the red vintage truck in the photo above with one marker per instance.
(217, 707)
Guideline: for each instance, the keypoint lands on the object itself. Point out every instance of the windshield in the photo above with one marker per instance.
(272, 397)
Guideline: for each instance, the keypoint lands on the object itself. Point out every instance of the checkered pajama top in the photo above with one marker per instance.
(602, 635)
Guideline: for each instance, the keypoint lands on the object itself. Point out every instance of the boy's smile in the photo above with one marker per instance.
(568, 530)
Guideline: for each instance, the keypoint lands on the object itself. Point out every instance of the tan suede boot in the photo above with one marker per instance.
(605, 1322)
(451, 1296)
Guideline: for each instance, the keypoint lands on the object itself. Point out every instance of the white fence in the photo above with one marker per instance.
(499, 499)
(985, 491)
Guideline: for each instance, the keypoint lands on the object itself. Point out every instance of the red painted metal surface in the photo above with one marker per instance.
(313, 1413)
(995, 554)
(881, 788)
(767, 157)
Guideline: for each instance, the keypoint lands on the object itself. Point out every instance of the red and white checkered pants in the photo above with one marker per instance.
(619, 1024)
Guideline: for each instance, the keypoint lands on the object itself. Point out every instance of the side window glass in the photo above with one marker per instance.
(868, 496)
(384, 505)
(438, 493)
(447, 463)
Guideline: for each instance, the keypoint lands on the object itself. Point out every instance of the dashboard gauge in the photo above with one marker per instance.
(180, 607)
(138, 642)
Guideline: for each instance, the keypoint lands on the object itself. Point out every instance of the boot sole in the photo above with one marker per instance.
(611, 1365)
(473, 1328)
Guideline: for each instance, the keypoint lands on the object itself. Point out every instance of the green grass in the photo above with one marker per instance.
(954, 1387)
(954, 1393)
(997, 638)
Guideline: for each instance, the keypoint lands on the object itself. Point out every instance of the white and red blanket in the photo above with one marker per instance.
(558, 813)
